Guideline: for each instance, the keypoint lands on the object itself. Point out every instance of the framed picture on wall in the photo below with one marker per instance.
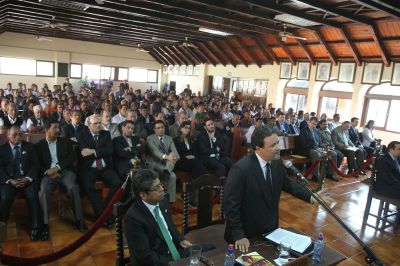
(189, 70)
(372, 73)
(165, 69)
(303, 71)
(286, 70)
(196, 70)
(170, 70)
(396, 74)
(323, 71)
(347, 72)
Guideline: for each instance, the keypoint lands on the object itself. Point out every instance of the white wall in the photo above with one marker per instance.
(71, 51)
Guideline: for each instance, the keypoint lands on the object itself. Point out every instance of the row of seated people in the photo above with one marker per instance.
(37, 171)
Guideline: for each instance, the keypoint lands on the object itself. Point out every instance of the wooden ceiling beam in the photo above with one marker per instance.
(209, 54)
(351, 45)
(334, 11)
(250, 52)
(265, 53)
(157, 58)
(217, 55)
(225, 55)
(328, 49)
(185, 55)
(174, 62)
(381, 47)
(306, 51)
(392, 9)
(177, 55)
(272, 5)
(193, 56)
(266, 48)
(236, 53)
(159, 54)
(199, 52)
(286, 49)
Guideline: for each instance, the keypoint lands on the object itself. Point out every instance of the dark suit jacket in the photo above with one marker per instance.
(251, 205)
(183, 150)
(148, 126)
(68, 130)
(354, 137)
(285, 127)
(204, 147)
(291, 129)
(387, 177)
(147, 246)
(305, 142)
(65, 155)
(104, 148)
(29, 161)
(123, 154)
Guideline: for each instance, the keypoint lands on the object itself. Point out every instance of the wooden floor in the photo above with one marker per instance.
(350, 195)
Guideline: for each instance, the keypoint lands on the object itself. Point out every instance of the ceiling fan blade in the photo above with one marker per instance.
(61, 25)
(297, 37)
(62, 28)
(99, 2)
(43, 26)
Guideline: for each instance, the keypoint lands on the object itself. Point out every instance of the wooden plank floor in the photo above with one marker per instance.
(350, 197)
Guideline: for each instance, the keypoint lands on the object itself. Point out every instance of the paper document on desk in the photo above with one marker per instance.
(298, 243)
(350, 148)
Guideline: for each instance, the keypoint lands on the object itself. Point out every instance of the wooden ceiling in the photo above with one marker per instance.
(337, 30)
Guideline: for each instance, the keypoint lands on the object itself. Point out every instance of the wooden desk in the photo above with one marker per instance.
(267, 250)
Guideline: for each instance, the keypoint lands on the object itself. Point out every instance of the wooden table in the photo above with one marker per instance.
(267, 250)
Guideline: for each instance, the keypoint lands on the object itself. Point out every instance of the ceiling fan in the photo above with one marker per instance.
(140, 49)
(50, 24)
(42, 39)
(186, 43)
(284, 34)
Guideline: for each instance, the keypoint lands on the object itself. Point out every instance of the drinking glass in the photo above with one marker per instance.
(195, 254)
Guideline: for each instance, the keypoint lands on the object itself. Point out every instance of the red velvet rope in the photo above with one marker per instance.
(312, 167)
(362, 167)
(11, 260)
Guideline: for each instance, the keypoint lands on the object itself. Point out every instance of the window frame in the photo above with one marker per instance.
(332, 94)
(70, 70)
(296, 91)
(20, 74)
(46, 61)
(147, 75)
(127, 74)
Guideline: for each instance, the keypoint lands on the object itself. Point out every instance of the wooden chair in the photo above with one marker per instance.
(206, 230)
(387, 216)
(119, 210)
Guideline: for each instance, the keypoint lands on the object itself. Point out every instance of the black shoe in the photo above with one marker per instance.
(81, 226)
(35, 235)
(363, 173)
(44, 233)
(334, 178)
(109, 223)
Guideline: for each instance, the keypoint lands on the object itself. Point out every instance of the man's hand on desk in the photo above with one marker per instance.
(185, 243)
(242, 244)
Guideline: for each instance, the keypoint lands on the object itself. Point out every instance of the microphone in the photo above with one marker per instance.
(288, 164)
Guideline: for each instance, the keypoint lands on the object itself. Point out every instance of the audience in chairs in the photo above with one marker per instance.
(387, 170)
(97, 151)
(56, 168)
(19, 174)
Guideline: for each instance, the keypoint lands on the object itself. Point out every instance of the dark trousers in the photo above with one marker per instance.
(354, 159)
(109, 177)
(30, 193)
(220, 166)
(194, 166)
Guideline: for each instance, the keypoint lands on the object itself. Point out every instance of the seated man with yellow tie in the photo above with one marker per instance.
(152, 237)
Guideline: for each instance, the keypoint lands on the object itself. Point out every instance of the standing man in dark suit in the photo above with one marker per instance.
(212, 150)
(388, 172)
(152, 237)
(253, 189)
(127, 147)
(97, 150)
(56, 164)
(18, 173)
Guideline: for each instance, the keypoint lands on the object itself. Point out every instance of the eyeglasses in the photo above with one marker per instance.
(187, 127)
(159, 187)
(159, 127)
(16, 134)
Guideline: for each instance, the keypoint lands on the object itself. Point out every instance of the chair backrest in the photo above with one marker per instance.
(204, 185)
(119, 211)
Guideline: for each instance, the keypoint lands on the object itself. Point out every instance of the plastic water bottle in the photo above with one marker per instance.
(344, 168)
(318, 247)
(229, 257)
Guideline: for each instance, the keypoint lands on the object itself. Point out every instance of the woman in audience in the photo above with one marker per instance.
(368, 135)
(186, 148)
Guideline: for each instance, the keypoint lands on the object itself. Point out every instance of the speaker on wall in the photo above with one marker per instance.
(63, 70)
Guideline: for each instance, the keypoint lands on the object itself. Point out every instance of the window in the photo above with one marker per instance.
(335, 98)
(17, 66)
(76, 71)
(296, 95)
(107, 72)
(142, 75)
(383, 106)
(91, 71)
(122, 73)
(152, 76)
(45, 68)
